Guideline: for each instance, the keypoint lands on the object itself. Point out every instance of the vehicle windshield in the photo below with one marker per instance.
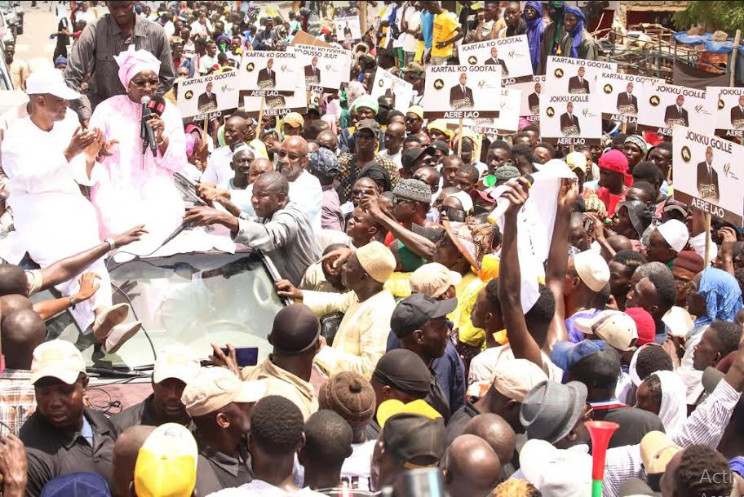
(194, 300)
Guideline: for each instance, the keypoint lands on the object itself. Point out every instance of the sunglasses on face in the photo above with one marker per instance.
(398, 200)
(293, 157)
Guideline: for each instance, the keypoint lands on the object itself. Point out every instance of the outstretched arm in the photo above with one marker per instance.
(523, 345)
(68, 268)
(558, 260)
(417, 244)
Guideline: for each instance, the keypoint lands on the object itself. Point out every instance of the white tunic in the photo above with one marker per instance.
(52, 217)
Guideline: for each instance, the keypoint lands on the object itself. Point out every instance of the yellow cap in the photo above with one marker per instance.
(166, 463)
(392, 407)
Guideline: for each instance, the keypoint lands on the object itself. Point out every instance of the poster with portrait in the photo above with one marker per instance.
(668, 106)
(278, 103)
(388, 85)
(347, 28)
(511, 54)
(618, 94)
(462, 92)
(207, 96)
(269, 71)
(708, 173)
(529, 105)
(567, 76)
(323, 66)
(570, 119)
(508, 121)
(727, 105)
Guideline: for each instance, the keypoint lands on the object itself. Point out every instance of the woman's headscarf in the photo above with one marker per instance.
(556, 15)
(578, 32)
(673, 409)
(722, 296)
(535, 30)
(132, 62)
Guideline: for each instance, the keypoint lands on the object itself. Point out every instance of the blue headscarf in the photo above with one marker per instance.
(722, 296)
(578, 32)
(535, 30)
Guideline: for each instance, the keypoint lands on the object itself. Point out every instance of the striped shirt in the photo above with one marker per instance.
(93, 58)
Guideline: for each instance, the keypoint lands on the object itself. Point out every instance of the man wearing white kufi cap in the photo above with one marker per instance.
(45, 156)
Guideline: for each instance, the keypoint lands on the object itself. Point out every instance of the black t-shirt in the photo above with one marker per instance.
(64, 24)
(634, 424)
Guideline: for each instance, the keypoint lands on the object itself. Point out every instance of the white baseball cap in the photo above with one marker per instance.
(50, 81)
(214, 388)
(176, 361)
(57, 359)
(675, 233)
(592, 269)
(556, 472)
(614, 327)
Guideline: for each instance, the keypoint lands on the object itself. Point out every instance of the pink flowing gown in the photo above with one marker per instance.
(132, 188)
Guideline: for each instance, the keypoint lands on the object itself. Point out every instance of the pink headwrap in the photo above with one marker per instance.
(132, 62)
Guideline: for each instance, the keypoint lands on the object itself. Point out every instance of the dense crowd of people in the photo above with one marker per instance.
(481, 297)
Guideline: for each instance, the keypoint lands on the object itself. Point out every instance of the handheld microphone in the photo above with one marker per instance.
(502, 204)
(156, 105)
(149, 135)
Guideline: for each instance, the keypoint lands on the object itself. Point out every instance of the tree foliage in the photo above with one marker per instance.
(726, 16)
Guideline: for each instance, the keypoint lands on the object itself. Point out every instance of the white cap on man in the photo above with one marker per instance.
(50, 81)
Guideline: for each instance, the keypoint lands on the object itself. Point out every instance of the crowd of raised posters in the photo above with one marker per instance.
(569, 103)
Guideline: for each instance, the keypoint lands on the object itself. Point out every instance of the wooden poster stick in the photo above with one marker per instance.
(459, 143)
(260, 118)
(707, 239)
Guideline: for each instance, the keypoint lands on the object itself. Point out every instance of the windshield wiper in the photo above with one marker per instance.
(117, 373)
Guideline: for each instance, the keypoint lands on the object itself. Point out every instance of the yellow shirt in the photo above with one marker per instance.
(445, 25)
(285, 384)
(467, 294)
(362, 335)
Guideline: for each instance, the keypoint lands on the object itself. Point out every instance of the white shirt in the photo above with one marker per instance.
(483, 366)
(206, 62)
(88, 16)
(199, 29)
(260, 488)
(395, 158)
(413, 18)
(218, 169)
(356, 468)
(307, 193)
(169, 28)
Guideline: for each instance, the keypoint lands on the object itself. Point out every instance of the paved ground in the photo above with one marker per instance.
(39, 23)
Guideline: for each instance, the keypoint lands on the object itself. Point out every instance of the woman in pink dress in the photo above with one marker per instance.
(130, 186)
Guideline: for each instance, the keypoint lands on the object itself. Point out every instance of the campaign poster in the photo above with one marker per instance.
(708, 173)
(529, 105)
(668, 106)
(388, 85)
(618, 94)
(570, 119)
(323, 67)
(269, 71)
(462, 92)
(278, 103)
(511, 54)
(508, 121)
(208, 95)
(727, 105)
(567, 76)
(347, 28)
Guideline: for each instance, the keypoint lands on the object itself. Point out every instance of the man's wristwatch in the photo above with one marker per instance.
(72, 300)
(111, 242)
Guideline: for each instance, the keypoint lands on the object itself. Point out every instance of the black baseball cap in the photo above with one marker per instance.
(415, 440)
(441, 146)
(411, 155)
(414, 312)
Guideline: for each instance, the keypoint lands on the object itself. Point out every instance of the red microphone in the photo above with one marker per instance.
(156, 105)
